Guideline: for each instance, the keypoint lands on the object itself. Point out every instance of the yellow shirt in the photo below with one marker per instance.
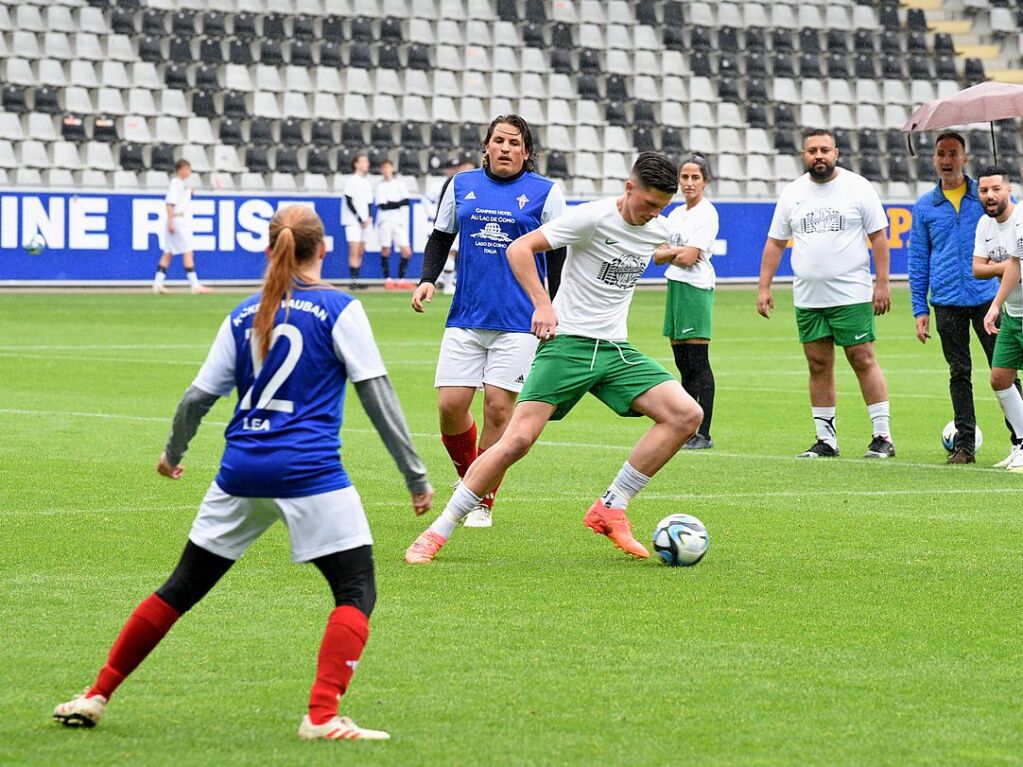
(955, 196)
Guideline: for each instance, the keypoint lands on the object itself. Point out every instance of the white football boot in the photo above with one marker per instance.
(81, 711)
(481, 516)
(1013, 454)
(338, 728)
(1016, 464)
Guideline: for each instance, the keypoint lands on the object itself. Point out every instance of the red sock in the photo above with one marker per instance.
(488, 499)
(346, 635)
(461, 448)
(143, 630)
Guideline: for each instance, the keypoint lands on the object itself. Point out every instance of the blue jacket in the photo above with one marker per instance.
(941, 252)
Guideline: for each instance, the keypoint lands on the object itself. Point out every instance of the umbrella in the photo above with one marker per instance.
(985, 102)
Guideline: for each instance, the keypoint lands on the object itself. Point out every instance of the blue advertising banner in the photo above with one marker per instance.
(116, 238)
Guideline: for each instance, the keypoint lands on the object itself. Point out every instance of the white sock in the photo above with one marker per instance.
(625, 486)
(193, 278)
(824, 421)
(160, 277)
(880, 417)
(463, 500)
(1012, 406)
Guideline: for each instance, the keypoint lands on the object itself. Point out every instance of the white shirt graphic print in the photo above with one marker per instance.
(606, 257)
(829, 224)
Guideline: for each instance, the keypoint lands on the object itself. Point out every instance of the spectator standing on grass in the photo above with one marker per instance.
(941, 274)
(392, 200)
(689, 306)
(178, 237)
(355, 215)
(289, 351)
(830, 213)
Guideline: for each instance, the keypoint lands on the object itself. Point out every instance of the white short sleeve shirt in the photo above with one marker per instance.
(1000, 242)
(695, 227)
(606, 257)
(829, 224)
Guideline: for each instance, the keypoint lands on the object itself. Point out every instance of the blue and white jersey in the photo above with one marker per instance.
(284, 438)
(488, 214)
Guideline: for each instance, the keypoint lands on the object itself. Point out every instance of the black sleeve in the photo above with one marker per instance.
(351, 207)
(555, 263)
(435, 254)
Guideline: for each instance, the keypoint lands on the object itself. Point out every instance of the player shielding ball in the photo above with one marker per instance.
(996, 254)
(830, 213)
(290, 352)
(584, 348)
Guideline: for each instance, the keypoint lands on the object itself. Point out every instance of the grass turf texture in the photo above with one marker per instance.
(848, 612)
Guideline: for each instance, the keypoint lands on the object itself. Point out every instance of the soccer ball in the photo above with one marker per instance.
(680, 539)
(35, 244)
(948, 437)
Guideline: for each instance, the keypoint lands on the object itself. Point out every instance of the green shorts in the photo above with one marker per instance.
(1009, 344)
(688, 311)
(849, 325)
(566, 367)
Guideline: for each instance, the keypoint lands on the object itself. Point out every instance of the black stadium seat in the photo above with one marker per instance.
(122, 21)
(72, 128)
(130, 157)
(588, 87)
(161, 158)
(671, 140)
(898, 168)
(440, 136)
(273, 27)
(330, 55)
(303, 28)
(211, 51)
(256, 160)
(300, 53)
(838, 66)
(643, 113)
(837, 41)
(409, 163)
(322, 133)
(643, 139)
(615, 89)
(180, 50)
(361, 30)
(700, 39)
(286, 160)
(863, 42)
(809, 42)
(352, 135)
(291, 132)
(557, 165)
(533, 36)
(203, 104)
(381, 135)
(728, 40)
(261, 132)
(781, 40)
(870, 167)
(105, 129)
(390, 30)
(333, 29)
(240, 52)
(234, 105)
(318, 161)
(756, 115)
(230, 133)
(728, 90)
(756, 40)
(388, 57)
(866, 66)
(151, 49)
(153, 23)
(270, 53)
(411, 136)
(214, 24)
(46, 100)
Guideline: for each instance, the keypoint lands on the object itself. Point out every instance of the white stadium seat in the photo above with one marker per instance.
(99, 156)
(135, 130)
(167, 130)
(33, 154)
(40, 127)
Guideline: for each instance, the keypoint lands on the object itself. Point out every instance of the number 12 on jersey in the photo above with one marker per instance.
(266, 398)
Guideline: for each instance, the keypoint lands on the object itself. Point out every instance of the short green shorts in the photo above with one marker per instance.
(688, 311)
(566, 367)
(849, 325)
(1009, 344)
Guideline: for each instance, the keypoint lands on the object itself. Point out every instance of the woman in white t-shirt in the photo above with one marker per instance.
(178, 237)
(689, 308)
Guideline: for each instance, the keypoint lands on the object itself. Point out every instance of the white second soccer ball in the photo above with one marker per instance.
(948, 437)
(35, 244)
(680, 540)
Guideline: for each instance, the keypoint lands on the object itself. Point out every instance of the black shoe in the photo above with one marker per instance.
(819, 449)
(699, 442)
(880, 447)
(961, 456)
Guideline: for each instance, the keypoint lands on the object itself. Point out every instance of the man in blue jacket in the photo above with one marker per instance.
(941, 263)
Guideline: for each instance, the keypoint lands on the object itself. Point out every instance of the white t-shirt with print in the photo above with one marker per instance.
(829, 224)
(606, 256)
(695, 227)
(1000, 242)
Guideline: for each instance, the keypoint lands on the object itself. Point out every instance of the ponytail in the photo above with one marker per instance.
(296, 233)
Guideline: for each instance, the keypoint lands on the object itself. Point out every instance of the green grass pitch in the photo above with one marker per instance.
(849, 612)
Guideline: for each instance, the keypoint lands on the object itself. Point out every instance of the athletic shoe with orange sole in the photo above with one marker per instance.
(81, 711)
(615, 525)
(424, 548)
(338, 728)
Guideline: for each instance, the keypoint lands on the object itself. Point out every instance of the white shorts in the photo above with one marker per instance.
(317, 524)
(471, 357)
(393, 232)
(354, 233)
(180, 240)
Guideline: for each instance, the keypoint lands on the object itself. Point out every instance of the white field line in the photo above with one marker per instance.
(542, 443)
(163, 509)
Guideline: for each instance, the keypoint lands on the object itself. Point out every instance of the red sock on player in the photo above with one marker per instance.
(488, 499)
(143, 630)
(461, 448)
(346, 635)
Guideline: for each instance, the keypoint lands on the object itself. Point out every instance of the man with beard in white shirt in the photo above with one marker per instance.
(996, 253)
(829, 213)
(584, 348)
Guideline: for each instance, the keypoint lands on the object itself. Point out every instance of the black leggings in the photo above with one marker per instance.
(693, 365)
(349, 573)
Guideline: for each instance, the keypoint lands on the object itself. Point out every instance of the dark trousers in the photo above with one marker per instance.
(953, 326)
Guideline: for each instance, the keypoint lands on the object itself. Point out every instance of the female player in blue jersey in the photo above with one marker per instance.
(487, 342)
(289, 351)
